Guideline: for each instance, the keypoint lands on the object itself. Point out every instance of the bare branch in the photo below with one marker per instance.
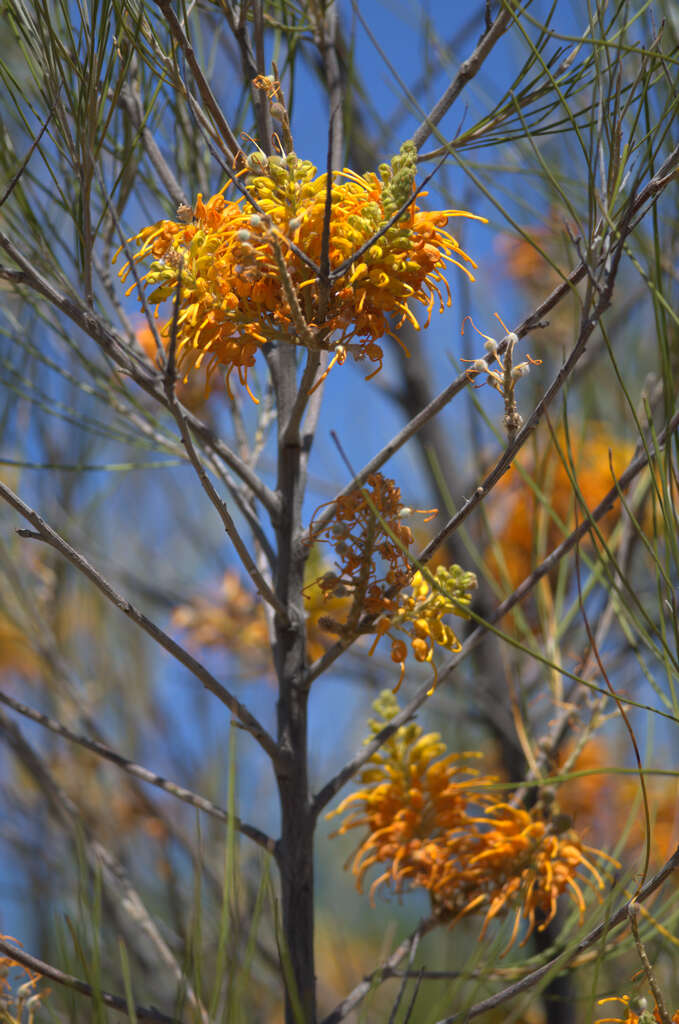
(468, 69)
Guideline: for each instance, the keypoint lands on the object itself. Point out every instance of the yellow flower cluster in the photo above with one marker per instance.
(419, 615)
(250, 268)
(432, 824)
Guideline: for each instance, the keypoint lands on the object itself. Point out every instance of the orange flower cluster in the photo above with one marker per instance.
(643, 1017)
(246, 267)
(371, 542)
(432, 824)
(373, 569)
(520, 520)
(18, 1005)
(235, 621)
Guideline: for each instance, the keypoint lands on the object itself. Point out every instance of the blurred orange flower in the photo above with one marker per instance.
(192, 391)
(527, 525)
(601, 804)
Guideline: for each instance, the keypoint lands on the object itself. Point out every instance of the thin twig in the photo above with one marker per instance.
(467, 70)
(131, 103)
(633, 911)
(381, 973)
(14, 180)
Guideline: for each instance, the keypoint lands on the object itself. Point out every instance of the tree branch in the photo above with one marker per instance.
(468, 69)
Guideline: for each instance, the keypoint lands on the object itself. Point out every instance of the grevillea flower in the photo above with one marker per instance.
(373, 569)
(519, 859)
(432, 823)
(411, 798)
(247, 268)
(520, 519)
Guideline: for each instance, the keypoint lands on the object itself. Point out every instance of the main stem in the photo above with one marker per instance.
(295, 847)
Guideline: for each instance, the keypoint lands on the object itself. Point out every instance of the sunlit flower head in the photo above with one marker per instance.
(233, 258)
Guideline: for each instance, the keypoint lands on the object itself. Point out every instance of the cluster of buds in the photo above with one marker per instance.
(505, 378)
(432, 823)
